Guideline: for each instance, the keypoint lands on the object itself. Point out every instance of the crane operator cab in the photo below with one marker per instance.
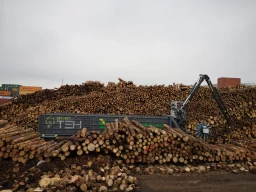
(178, 114)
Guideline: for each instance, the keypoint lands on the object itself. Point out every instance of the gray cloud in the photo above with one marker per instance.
(149, 42)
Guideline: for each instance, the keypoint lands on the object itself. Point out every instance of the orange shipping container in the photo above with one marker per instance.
(30, 88)
(26, 92)
(5, 93)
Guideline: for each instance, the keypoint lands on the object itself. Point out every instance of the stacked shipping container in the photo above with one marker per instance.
(28, 89)
(8, 91)
(5, 93)
(3, 88)
(15, 90)
(12, 89)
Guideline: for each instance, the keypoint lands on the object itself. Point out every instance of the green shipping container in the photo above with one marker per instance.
(11, 85)
(3, 88)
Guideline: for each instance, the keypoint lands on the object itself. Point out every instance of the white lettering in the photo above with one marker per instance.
(60, 123)
(79, 124)
(70, 124)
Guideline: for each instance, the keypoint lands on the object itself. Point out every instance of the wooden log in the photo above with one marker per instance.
(24, 138)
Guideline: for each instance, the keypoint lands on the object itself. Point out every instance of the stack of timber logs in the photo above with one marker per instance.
(126, 143)
(79, 178)
(18, 107)
(128, 99)
(18, 143)
(128, 140)
(100, 173)
(88, 173)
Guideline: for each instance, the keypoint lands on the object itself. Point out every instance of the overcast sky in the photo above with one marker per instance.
(148, 42)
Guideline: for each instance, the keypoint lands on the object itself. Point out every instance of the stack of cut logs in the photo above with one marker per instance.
(108, 179)
(128, 140)
(102, 174)
(89, 173)
(18, 143)
(128, 99)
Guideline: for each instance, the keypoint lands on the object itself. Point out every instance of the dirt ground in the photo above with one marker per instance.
(210, 182)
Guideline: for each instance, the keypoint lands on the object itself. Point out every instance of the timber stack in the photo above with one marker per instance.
(121, 145)
(128, 99)
(128, 140)
(19, 144)
(83, 178)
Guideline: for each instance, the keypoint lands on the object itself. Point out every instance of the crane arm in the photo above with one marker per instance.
(215, 93)
(219, 102)
(194, 90)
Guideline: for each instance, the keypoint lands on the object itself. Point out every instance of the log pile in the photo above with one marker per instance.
(128, 140)
(126, 143)
(25, 108)
(95, 172)
(88, 173)
(100, 173)
(79, 178)
(120, 177)
(18, 143)
(128, 99)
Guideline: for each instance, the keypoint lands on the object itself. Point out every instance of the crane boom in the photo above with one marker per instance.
(178, 108)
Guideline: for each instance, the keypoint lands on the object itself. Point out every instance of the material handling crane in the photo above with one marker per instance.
(53, 125)
(178, 109)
